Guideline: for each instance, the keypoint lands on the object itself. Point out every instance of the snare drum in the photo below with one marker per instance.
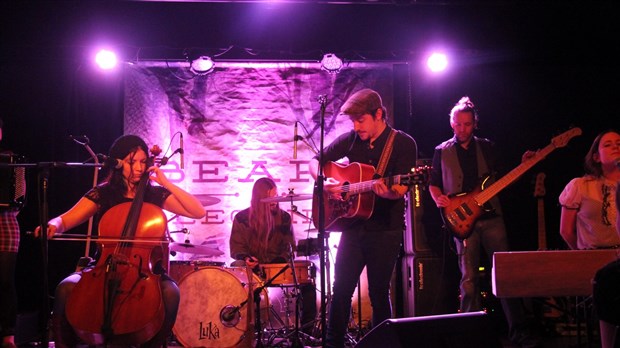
(304, 270)
(206, 294)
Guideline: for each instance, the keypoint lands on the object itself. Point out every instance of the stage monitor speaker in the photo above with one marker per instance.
(461, 330)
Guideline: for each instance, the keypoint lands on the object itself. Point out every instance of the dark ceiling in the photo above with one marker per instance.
(358, 30)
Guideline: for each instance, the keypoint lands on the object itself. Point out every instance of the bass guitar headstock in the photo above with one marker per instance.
(539, 186)
(563, 139)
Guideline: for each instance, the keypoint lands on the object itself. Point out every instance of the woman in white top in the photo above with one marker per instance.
(589, 203)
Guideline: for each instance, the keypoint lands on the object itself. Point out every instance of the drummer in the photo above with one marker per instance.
(263, 234)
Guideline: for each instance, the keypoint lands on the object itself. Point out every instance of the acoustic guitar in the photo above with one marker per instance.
(353, 199)
(466, 208)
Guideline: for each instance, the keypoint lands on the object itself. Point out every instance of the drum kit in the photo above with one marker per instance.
(225, 306)
(218, 303)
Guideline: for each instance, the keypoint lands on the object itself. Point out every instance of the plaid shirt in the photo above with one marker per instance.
(9, 231)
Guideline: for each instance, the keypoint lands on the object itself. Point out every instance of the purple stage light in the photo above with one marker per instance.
(437, 62)
(106, 59)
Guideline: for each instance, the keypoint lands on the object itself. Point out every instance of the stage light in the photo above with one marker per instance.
(437, 62)
(331, 63)
(202, 65)
(106, 59)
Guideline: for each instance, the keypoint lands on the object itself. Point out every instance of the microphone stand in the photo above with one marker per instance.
(257, 291)
(43, 181)
(84, 261)
(321, 227)
(296, 341)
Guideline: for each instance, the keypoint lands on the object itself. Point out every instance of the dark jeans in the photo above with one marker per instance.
(64, 335)
(606, 293)
(376, 250)
(8, 296)
(308, 307)
(489, 234)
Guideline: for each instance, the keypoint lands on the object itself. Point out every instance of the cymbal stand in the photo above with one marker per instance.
(296, 342)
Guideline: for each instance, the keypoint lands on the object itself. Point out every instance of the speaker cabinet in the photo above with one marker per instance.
(423, 232)
(462, 330)
(429, 285)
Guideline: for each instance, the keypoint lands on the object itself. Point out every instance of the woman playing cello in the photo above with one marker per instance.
(120, 187)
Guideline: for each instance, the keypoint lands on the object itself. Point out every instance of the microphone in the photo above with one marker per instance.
(109, 162)
(164, 160)
(295, 142)
(80, 139)
(229, 313)
(617, 162)
(183, 230)
(181, 151)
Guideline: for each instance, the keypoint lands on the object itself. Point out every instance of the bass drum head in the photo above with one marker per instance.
(205, 293)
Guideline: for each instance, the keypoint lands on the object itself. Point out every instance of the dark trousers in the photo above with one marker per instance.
(376, 250)
(490, 235)
(8, 296)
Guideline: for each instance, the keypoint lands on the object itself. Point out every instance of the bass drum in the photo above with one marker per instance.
(207, 315)
(178, 269)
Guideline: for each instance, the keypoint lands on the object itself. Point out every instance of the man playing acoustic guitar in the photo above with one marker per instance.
(458, 164)
(373, 218)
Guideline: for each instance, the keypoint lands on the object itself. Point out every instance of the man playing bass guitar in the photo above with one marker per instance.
(372, 241)
(458, 164)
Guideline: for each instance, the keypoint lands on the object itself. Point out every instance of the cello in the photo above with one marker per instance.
(119, 300)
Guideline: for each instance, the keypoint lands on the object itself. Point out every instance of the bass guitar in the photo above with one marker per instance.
(550, 307)
(353, 199)
(539, 194)
(465, 209)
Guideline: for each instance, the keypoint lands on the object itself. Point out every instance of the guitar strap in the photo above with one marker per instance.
(387, 152)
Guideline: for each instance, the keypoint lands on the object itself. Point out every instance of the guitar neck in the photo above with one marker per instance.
(513, 175)
(542, 234)
(366, 186)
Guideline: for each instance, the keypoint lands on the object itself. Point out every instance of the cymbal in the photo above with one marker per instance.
(287, 198)
(195, 249)
(316, 230)
(206, 200)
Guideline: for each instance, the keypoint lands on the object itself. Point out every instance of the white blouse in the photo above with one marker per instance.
(595, 202)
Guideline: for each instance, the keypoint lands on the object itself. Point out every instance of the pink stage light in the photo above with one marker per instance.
(106, 59)
(437, 62)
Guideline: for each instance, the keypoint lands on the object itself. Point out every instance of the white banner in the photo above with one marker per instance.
(237, 124)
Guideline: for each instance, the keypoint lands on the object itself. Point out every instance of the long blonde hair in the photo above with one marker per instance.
(262, 219)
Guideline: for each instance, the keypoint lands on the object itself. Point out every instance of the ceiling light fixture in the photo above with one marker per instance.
(202, 65)
(331, 63)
